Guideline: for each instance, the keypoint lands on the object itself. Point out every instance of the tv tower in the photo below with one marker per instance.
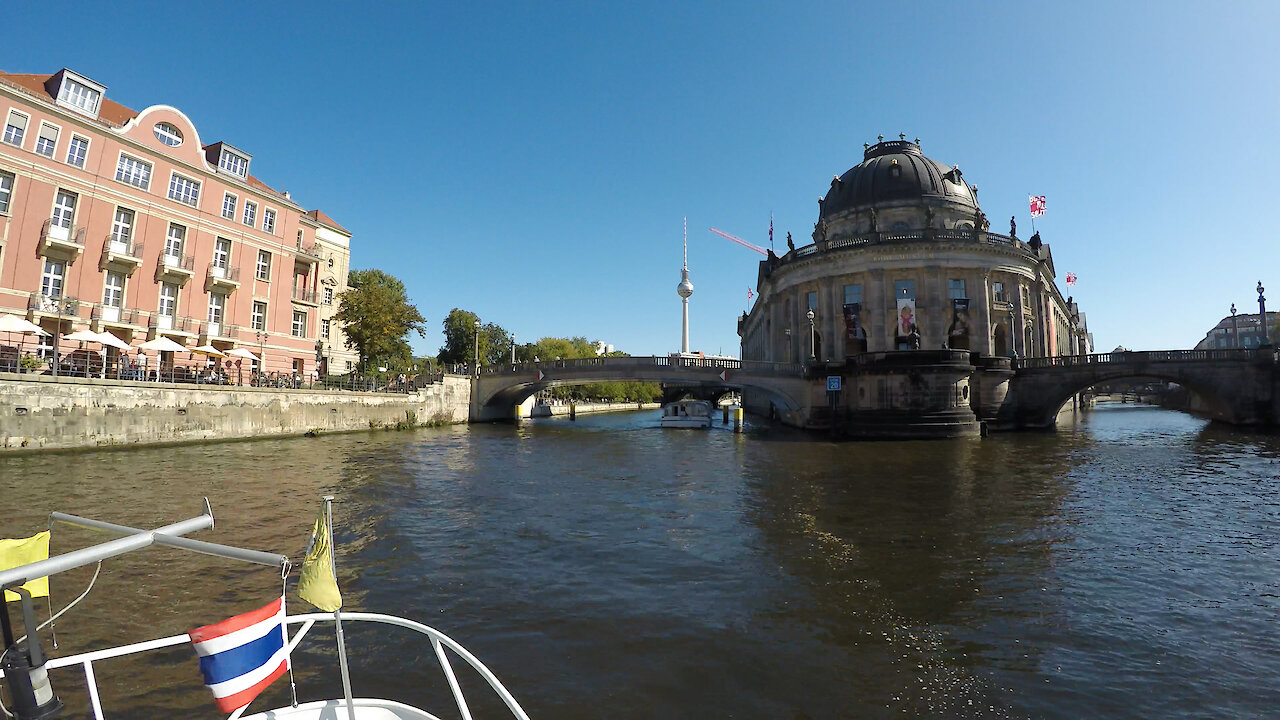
(684, 290)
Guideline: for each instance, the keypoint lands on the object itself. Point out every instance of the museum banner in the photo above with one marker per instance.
(906, 322)
(958, 333)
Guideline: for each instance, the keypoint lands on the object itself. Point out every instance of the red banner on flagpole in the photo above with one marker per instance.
(1037, 205)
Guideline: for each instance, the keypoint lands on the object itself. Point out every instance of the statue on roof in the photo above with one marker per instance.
(790, 245)
(1035, 242)
(1013, 226)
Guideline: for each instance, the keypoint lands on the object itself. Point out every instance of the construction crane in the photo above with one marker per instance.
(740, 241)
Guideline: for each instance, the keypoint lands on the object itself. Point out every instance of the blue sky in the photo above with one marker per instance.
(533, 164)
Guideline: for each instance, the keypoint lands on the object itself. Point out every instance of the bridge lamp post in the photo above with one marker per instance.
(813, 350)
(477, 347)
(1235, 329)
(1262, 313)
(787, 332)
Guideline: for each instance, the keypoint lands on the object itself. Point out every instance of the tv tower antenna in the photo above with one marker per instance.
(684, 290)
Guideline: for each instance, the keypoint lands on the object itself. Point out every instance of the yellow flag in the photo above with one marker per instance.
(316, 583)
(20, 552)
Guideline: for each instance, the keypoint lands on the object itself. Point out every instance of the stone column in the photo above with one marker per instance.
(874, 311)
(939, 306)
(1019, 339)
(982, 339)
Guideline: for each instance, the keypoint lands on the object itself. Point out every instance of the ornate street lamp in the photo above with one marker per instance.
(477, 370)
(63, 303)
(787, 332)
(813, 350)
(1235, 329)
(1262, 313)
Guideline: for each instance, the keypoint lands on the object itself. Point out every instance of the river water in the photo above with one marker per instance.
(1125, 566)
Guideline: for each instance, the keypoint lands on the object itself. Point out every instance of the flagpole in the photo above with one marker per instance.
(337, 614)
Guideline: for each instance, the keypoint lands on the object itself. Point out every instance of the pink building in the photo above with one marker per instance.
(119, 220)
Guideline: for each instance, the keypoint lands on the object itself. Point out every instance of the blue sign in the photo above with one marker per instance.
(833, 383)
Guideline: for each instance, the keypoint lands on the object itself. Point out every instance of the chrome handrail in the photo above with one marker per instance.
(439, 641)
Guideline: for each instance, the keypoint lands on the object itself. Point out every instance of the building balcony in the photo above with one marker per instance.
(170, 325)
(224, 280)
(211, 331)
(40, 305)
(306, 297)
(103, 316)
(62, 243)
(308, 253)
(176, 269)
(123, 256)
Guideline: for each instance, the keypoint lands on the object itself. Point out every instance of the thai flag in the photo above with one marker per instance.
(241, 656)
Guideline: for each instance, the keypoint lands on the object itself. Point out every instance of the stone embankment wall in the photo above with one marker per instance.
(41, 412)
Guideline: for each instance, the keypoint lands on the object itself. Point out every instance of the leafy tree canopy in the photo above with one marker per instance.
(460, 338)
(376, 316)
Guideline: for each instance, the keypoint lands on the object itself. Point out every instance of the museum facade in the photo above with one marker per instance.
(905, 272)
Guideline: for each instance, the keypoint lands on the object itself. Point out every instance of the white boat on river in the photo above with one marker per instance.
(26, 669)
(686, 414)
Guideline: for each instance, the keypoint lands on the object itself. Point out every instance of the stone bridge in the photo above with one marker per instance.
(1235, 386)
(500, 388)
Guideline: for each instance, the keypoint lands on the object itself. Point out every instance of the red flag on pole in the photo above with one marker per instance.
(750, 294)
(770, 230)
(1037, 205)
(1071, 279)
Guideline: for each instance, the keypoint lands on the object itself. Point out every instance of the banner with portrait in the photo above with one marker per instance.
(855, 336)
(906, 323)
(958, 333)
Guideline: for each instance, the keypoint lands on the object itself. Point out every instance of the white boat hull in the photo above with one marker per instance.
(366, 709)
(686, 422)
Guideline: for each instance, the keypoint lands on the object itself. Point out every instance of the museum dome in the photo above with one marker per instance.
(896, 172)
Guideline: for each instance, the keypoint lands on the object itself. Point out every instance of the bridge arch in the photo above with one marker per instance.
(1222, 380)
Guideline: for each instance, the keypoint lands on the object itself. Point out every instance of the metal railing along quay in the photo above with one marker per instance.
(1132, 357)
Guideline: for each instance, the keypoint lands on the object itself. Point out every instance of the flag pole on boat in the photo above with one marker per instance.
(318, 585)
(337, 614)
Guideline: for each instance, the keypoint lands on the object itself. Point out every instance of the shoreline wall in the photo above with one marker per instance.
(40, 412)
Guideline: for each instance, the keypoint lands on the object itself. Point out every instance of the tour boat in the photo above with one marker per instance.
(25, 668)
(686, 414)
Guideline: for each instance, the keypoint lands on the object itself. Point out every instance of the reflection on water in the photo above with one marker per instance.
(1121, 567)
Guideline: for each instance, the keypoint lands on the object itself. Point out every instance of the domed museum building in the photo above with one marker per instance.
(916, 304)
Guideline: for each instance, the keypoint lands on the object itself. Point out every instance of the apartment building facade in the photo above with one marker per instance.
(120, 220)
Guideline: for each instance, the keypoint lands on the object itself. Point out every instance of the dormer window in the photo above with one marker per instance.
(79, 93)
(234, 163)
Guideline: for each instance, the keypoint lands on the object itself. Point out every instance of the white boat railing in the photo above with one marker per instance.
(439, 641)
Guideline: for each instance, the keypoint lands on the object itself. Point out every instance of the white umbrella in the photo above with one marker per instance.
(14, 324)
(83, 336)
(242, 353)
(209, 350)
(162, 344)
(106, 338)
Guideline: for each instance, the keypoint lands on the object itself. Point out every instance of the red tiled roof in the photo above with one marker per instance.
(112, 112)
(320, 217)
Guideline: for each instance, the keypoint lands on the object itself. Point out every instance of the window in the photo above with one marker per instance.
(233, 163)
(997, 291)
(167, 134)
(51, 280)
(16, 128)
(264, 265)
(47, 140)
(258, 320)
(955, 289)
(269, 221)
(168, 299)
(221, 253)
(6, 190)
(811, 300)
(174, 241)
(904, 289)
(250, 213)
(122, 228)
(229, 206)
(113, 293)
(64, 208)
(184, 190)
(328, 296)
(77, 151)
(852, 294)
(216, 302)
(299, 324)
(79, 96)
(132, 171)
(324, 329)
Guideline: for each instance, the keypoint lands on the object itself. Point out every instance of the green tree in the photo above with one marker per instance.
(460, 340)
(376, 317)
